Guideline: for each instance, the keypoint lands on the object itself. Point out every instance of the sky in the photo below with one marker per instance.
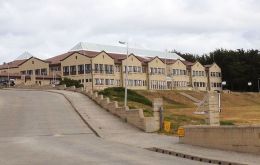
(47, 28)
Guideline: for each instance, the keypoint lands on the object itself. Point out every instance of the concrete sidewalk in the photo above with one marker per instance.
(103, 122)
(112, 128)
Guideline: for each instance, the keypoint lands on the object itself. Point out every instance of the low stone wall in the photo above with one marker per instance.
(234, 138)
(132, 116)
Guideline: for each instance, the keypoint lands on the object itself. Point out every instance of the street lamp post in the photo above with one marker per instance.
(223, 84)
(8, 75)
(84, 76)
(249, 85)
(165, 72)
(258, 84)
(126, 71)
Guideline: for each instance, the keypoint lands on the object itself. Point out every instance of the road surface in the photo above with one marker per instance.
(39, 128)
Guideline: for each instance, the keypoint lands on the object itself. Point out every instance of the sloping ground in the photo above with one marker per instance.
(242, 108)
(237, 108)
(178, 109)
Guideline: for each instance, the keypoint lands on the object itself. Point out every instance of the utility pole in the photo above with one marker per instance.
(8, 75)
(126, 71)
(84, 76)
(258, 84)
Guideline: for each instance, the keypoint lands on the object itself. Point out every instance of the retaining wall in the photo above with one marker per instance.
(131, 116)
(234, 138)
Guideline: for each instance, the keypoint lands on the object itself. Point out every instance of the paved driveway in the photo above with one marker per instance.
(42, 128)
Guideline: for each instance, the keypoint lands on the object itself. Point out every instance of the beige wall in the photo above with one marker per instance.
(197, 67)
(10, 70)
(75, 60)
(137, 80)
(105, 59)
(214, 80)
(156, 81)
(178, 80)
(33, 64)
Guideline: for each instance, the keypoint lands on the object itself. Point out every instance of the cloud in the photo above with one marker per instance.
(47, 28)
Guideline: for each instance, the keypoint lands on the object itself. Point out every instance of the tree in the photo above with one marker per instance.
(238, 66)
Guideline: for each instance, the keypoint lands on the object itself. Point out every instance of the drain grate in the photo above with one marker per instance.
(191, 157)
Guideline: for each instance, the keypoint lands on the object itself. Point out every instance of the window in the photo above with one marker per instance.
(43, 71)
(23, 72)
(111, 81)
(139, 69)
(37, 72)
(73, 70)
(155, 70)
(66, 70)
(29, 72)
(174, 71)
(159, 70)
(135, 68)
(130, 68)
(102, 81)
(107, 81)
(101, 68)
(117, 68)
(96, 68)
(97, 81)
(109, 69)
(163, 71)
(88, 68)
(144, 69)
(80, 69)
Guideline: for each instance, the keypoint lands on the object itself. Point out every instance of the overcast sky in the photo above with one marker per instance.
(51, 27)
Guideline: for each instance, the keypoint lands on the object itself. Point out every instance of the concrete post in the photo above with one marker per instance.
(213, 109)
(157, 111)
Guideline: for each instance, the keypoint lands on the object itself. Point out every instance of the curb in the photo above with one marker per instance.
(192, 157)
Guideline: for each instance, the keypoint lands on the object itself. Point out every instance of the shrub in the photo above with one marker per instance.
(69, 82)
(118, 93)
(226, 122)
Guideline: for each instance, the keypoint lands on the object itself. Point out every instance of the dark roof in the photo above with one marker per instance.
(208, 66)
(116, 56)
(31, 58)
(57, 59)
(13, 64)
(188, 63)
(168, 61)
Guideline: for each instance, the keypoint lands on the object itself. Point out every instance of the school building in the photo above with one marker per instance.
(101, 66)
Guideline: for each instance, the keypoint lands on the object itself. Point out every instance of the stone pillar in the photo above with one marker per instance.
(213, 109)
(157, 107)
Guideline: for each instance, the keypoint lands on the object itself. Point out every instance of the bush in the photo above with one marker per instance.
(118, 93)
(226, 122)
(69, 82)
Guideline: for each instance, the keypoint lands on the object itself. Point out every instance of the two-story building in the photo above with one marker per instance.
(98, 67)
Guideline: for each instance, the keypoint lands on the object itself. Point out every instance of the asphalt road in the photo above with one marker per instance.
(39, 128)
